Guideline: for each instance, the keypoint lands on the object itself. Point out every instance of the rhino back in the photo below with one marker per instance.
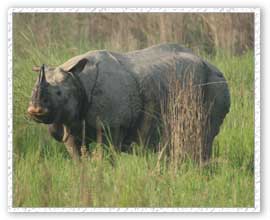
(156, 66)
(157, 50)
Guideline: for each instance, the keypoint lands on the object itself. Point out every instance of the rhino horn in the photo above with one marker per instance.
(42, 78)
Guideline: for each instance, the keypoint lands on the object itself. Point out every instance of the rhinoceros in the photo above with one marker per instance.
(123, 91)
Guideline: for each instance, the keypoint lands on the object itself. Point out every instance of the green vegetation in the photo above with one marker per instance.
(45, 176)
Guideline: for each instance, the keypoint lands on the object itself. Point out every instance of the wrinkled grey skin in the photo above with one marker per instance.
(123, 91)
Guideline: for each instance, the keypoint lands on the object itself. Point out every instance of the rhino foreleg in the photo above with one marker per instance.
(72, 143)
(63, 134)
(56, 131)
(72, 147)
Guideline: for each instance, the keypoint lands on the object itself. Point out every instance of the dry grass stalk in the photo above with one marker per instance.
(85, 180)
(84, 151)
(185, 121)
(46, 185)
(98, 152)
(85, 194)
(128, 31)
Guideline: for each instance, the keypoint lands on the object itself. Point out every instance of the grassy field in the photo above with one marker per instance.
(45, 176)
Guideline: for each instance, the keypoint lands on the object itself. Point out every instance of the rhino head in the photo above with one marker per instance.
(57, 95)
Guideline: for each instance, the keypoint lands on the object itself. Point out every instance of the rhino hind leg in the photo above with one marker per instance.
(147, 124)
(213, 130)
(219, 110)
(218, 105)
(207, 151)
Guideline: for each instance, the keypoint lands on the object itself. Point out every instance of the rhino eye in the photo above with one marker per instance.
(58, 93)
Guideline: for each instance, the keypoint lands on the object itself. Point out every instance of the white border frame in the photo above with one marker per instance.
(256, 12)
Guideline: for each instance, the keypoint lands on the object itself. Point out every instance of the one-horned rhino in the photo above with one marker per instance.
(124, 92)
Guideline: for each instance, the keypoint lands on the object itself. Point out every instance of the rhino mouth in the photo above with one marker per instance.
(45, 117)
(42, 118)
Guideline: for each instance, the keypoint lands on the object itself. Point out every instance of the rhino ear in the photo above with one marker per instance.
(79, 66)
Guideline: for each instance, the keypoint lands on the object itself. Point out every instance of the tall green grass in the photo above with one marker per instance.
(45, 176)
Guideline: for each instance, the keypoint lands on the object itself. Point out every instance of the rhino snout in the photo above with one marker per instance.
(37, 110)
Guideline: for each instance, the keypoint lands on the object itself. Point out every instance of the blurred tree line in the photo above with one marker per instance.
(204, 32)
